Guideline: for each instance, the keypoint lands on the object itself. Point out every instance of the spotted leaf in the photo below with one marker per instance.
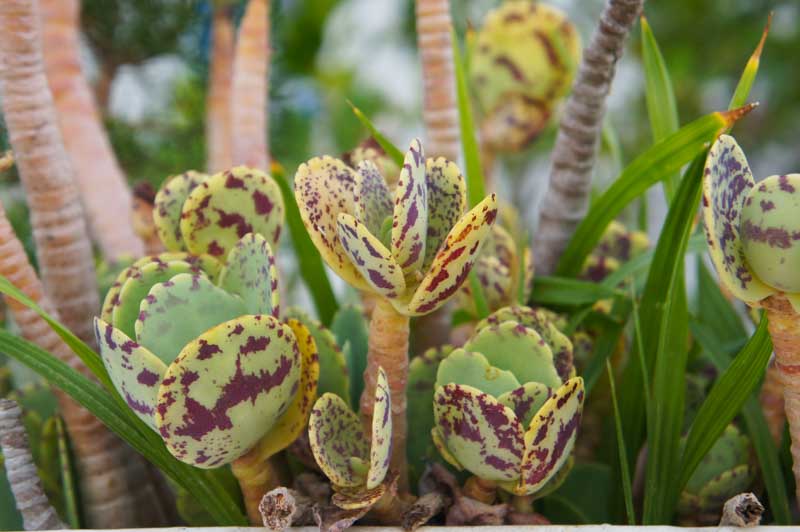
(373, 201)
(250, 273)
(381, 448)
(472, 369)
(357, 498)
(227, 206)
(336, 436)
(169, 204)
(447, 199)
(726, 182)
(179, 310)
(324, 188)
(371, 258)
(551, 436)
(439, 443)
(770, 231)
(515, 122)
(521, 350)
(135, 371)
(454, 260)
(483, 435)
(242, 370)
(410, 215)
(526, 400)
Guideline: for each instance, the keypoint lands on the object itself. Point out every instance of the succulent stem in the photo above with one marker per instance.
(218, 125)
(256, 477)
(784, 328)
(388, 348)
(481, 490)
(771, 399)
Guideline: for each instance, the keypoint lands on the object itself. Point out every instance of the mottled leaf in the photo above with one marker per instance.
(242, 370)
(526, 400)
(336, 436)
(473, 369)
(372, 200)
(357, 498)
(447, 199)
(410, 215)
(381, 448)
(438, 442)
(250, 273)
(227, 206)
(483, 435)
(370, 257)
(169, 204)
(726, 182)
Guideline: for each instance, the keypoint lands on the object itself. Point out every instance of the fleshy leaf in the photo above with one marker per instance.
(169, 204)
(227, 206)
(251, 274)
(324, 188)
(726, 182)
(381, 448)
(518, 349)
(514, 123)
(336, 436)
(373, 201)
(526, 400)
(227, 389)
(356, 498)
(370, 257)
(770, 231)
(447, 199)
(482, 434)
(473, 369)
(177, 311)
(438, 442)
(134, 290)
(135, 371)
(410, 216)
(551, 436)
(454, 260)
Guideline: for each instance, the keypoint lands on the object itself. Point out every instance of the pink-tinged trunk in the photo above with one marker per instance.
(103, 189)
(434, 26)
(218, 122)
(250, 88)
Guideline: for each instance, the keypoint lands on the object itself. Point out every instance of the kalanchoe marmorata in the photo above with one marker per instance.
(617, 246)
(356, 463)
(522, 62)
(726, 470)
(413, 247)
(507, 409)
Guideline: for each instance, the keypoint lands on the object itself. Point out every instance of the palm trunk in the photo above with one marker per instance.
(37, 512)
(101, 182)
(113, 479)
(784, 328)
(388, 348)
(771, 398)
(434, 27)
(218, 123)
(567, 198)
(250, 88)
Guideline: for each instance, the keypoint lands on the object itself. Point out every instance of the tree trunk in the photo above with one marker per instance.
(103, 188)
(250, 88)
(567, 198)
(218, 121)
(434, 27)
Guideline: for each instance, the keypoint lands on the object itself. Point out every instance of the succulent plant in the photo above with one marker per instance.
(522, 62)
(505, 378)
(617, 246)
(725, 471)
(370, 150)
(356, 463)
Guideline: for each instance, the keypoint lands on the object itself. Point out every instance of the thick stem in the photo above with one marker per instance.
(101, 182)
(784, 328)
(256, 477)
(480, 489)
(388, 348)
(434, 27)
(250, 88)
(218, 121)
(37, 512)
(771, 398)
(567, 198)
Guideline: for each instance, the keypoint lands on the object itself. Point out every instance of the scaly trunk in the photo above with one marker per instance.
(784, 328)
(218, 121)
(567, 198)
(771, 398)
(37, 512)
(434, 27)
(113, 479)
(101, 182)
(249, 91)
(388, 348)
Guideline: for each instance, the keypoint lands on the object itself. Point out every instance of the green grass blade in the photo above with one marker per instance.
(613, 327)
(68, 486)
(625, 473)
(469, 144)
(126, 425)
(661, 107)
(652, 166)
(748, 76)
(391, 150)
(639, 265)
(308, 259)
(569, 292)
